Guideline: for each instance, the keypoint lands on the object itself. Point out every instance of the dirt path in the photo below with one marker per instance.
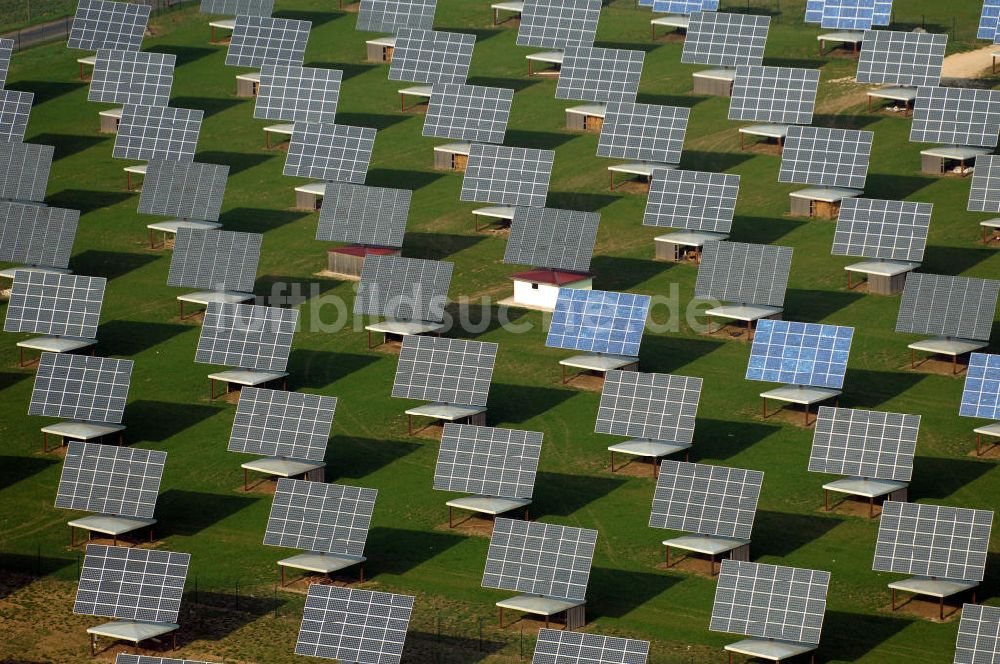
(971, 64)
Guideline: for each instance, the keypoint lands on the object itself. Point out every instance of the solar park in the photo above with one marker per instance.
(258, 479)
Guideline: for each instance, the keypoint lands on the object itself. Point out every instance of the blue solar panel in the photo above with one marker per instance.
(683, 6)
(800, 353)
(882, 12)
(981, 397)
(848, 14)
(989, 20)
(598, 321)
(814, 11)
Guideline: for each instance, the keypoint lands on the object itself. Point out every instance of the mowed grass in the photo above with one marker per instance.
(202, 509)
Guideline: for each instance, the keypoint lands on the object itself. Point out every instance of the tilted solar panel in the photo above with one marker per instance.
(507, 176)
(101, 24)
(188, 190)
(65, 305)
(644, 132)
(468, 113)
(864, 443)
(15, 107)
(550, 238)
(981, 394)
(558, 23)
(891, 230)
(374, 216)
(599, 74)
(795, 353)
(984, 194)
(237, 7)
(132, 77)
(948, 306)
(683, 6)
(598, 321)
(261, 40)
(725, 40)
(125, 658)
(215, 260)
(901, 58)
(24, 170)
(487, 461)
(848, 14)
(743, 273)
(978, 639)
(297, 94)
(131, 584)
(707, 500)
(319, 517)
(653, 406)
(826, 157)
(36, 235)
(989, 20)
(404, 288)
(691, 199)
(246, 336)
(956, 116)
(774, 94)
(283, 424)
(390, 15)
(331, 152)
(564, 647)
(451, 371)
(123, 481)
(6, 50)
(79, 387)
(157, 132)
(431, 56)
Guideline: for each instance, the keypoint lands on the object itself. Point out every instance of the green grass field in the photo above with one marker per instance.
(202, 509)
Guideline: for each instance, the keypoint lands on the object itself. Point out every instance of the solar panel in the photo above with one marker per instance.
(563, 647)
(744, 273)
(558, 23)
(598, 321)
(364, 215)
(725, 40)
(956, 116)
(901, 58)
(653, 406)
(981, 395)
(989, 20)
(131, 584)
(848, 14)
(556, 239)
(800, 353)
(188, 190)
(282, 424)
(487, 461)
(37, 235)
(246, 336)
(978, 639)
(684, 6)
(599, 74)
(930, 540)
(948, 306)
(6, 50)
(691, 199)
(644, 132)
(297, 94)
(215, 260)
(451, 371)
(389, 15)
(770, 601)
(331, 152)
(24, 170)
(132, 77)
(403, 288)
(354, 625)
(157, 132)
(81, 387)
(826, 157)
(707, 500)
(864, 443)
(237, 7)
(327, 518)
(15, 107)
(984, 195)
(468, 112)
(431, 56)
(100, 24)
(507, 176)
(774, 94)
(892, 230)
(125, 658)
(262, 40)
(123, 481)
(65, 305)
(814, 11)
(540, 559)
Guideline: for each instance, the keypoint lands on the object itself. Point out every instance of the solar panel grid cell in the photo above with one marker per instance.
(891, 230)
(132, 77)
(643, 131)
(318, 517)
(37, 235)
(282, 424)
(24, 170)
(978, 639)
(261, 40)
(374, 216)
(774, 94)
(78, 387)
(215, 260)
(564, 647)
(984, 195)
(65, 305)
(487, 461)
(507, 176)
(188, 190)
(725, 40)
(451, 371)
(123, 481)
(808, 354)
(826, 157)
(297, 94)
(558, 23)
(6, 50)
(246, 336)
(956, 116)
(131, 584)
(431, 56)
(707, 500)
(331, 152)
(691, 199)
(989, 20)
(653, 406)
(237, 7)
(468, 113)
(390, 15)
(599, 74)
(864, 443)
(157, 132)
(981, 393)
(15, 107)
(948, 306)
(744, 273)
(404, 288)
(554, 239)
(848, 14)
(598, 321)
(901, 58)
(101, 24)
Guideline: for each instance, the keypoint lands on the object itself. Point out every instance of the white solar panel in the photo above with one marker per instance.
(79, 387)
(431, 56)
(725, 40)
(550, 238)
(930, 540)
(131, 584)
(598, 321)
(653, 406)
(390, 15)
(64, 305)
(487, 461)
(215, 260)
(354, 625)
(744, 273)
(282, 424)
(123, 481)
(956, 116)
(37, 235)
(507, 176)
(468, 112)
(599, 74)
(188, 190)
(373, 216)
(318, 517)
(978, 639)
(540, 559)
(404, 288)
(707, 500)
(774, 94)
(297, 94)
(864, 443)
(451, 371)
(948, 306)
(891, 57)
(563, 647)
(984, 195)
(981, 394)
(891, 230)
(132, 77)
(558, 23)
(691, 199)
(101, 24)
(826, 157)
(246, 336)
(24, 170)
(800, 353)
(260, 40)
(157, 132)
(237, 7)
(644, 132)
(15, 107)
(6, 50)
(331, 152)
(125, 658)
(770, 601)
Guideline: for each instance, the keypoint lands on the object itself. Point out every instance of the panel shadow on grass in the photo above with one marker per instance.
(13, 469)
(762, 230)
(846, 121)
(284, 291)
(954, 260)
(158, 421)
(668, 354)
(109, 264)
(68, 144)
(475, 319)
(87, 201)
(437, 246)
(781, 533)
(939, 478)
(46, 90)
(131, 337)
(515, 84)
(684, 101)
(574, 200)
(184, 54)
(482, 34)
(618, 273)
(423, 647)
(895, 187)
(721, 439)
(615, 593)
(841, 630)
(538, 140)
(644, 46)
(356, 458)
(316, 18)
(214, 614)
(398, 550)
(188, 513)
(10, 379)
(800, 63)
(866, 388)
(209, 105)
(378, 121)
(317, 369)
(519, 403)
(349, 69)
(236, 161)
(391, 177)
(257, 220)
(21, 570)
(559, 494)
(717, 162)
(814, 306)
